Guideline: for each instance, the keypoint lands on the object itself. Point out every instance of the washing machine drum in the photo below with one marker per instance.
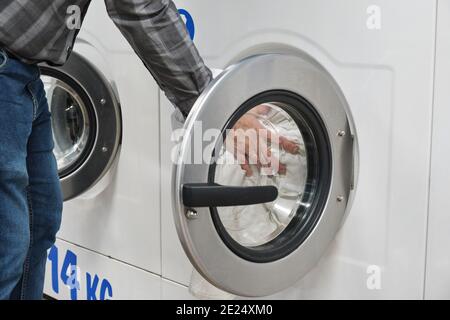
(86, 123)
(255, 227)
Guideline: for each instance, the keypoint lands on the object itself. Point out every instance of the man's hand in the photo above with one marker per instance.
(251, 143)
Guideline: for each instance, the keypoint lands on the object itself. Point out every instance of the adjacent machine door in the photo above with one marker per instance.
(255, 225)
(86, 123)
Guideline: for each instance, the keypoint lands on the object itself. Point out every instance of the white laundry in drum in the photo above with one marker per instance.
(256, 225)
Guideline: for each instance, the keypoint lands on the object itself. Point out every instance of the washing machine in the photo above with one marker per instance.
(356, 78)
(105, 108)
(352, 82)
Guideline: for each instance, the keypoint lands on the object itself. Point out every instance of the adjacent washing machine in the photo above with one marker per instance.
(105, 108)
(350, 81)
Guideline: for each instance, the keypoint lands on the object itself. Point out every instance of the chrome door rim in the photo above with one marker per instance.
(108, 131)
(204, 247)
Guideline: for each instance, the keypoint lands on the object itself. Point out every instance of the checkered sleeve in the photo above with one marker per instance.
(159, 36)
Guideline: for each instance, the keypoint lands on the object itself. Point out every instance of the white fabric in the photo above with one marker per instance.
(258, 224)
(202, 289)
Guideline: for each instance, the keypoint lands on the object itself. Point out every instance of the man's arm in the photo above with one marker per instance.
(157, 33)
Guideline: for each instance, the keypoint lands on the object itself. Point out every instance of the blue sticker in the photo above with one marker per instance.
(91, 286)
(190, 25)
(70, 273)
(53, 257)
(106, 291)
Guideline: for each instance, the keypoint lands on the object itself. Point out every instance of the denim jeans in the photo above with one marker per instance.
(30, 192)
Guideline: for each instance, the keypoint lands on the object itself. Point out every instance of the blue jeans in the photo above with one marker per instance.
(30, 192)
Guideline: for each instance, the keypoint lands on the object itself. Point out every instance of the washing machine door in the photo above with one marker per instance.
(86, 123)
(253, 225)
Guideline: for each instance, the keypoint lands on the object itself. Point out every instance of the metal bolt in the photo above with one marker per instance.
(103, 101)
(104, 149)
(340, 198)
(341, 133)
(191, 214)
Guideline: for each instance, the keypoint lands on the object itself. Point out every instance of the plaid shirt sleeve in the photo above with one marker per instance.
(157, 33)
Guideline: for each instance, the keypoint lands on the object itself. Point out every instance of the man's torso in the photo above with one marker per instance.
(43, 30)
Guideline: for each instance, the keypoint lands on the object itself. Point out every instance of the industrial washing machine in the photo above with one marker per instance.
(351, 80)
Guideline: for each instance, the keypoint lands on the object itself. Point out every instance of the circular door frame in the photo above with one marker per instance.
(314, 135)
(82, 75)
(205, 248)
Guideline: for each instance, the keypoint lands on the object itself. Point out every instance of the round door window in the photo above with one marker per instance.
(73, 123)
(275, 139)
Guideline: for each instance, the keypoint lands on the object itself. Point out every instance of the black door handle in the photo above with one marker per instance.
(197, 195)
